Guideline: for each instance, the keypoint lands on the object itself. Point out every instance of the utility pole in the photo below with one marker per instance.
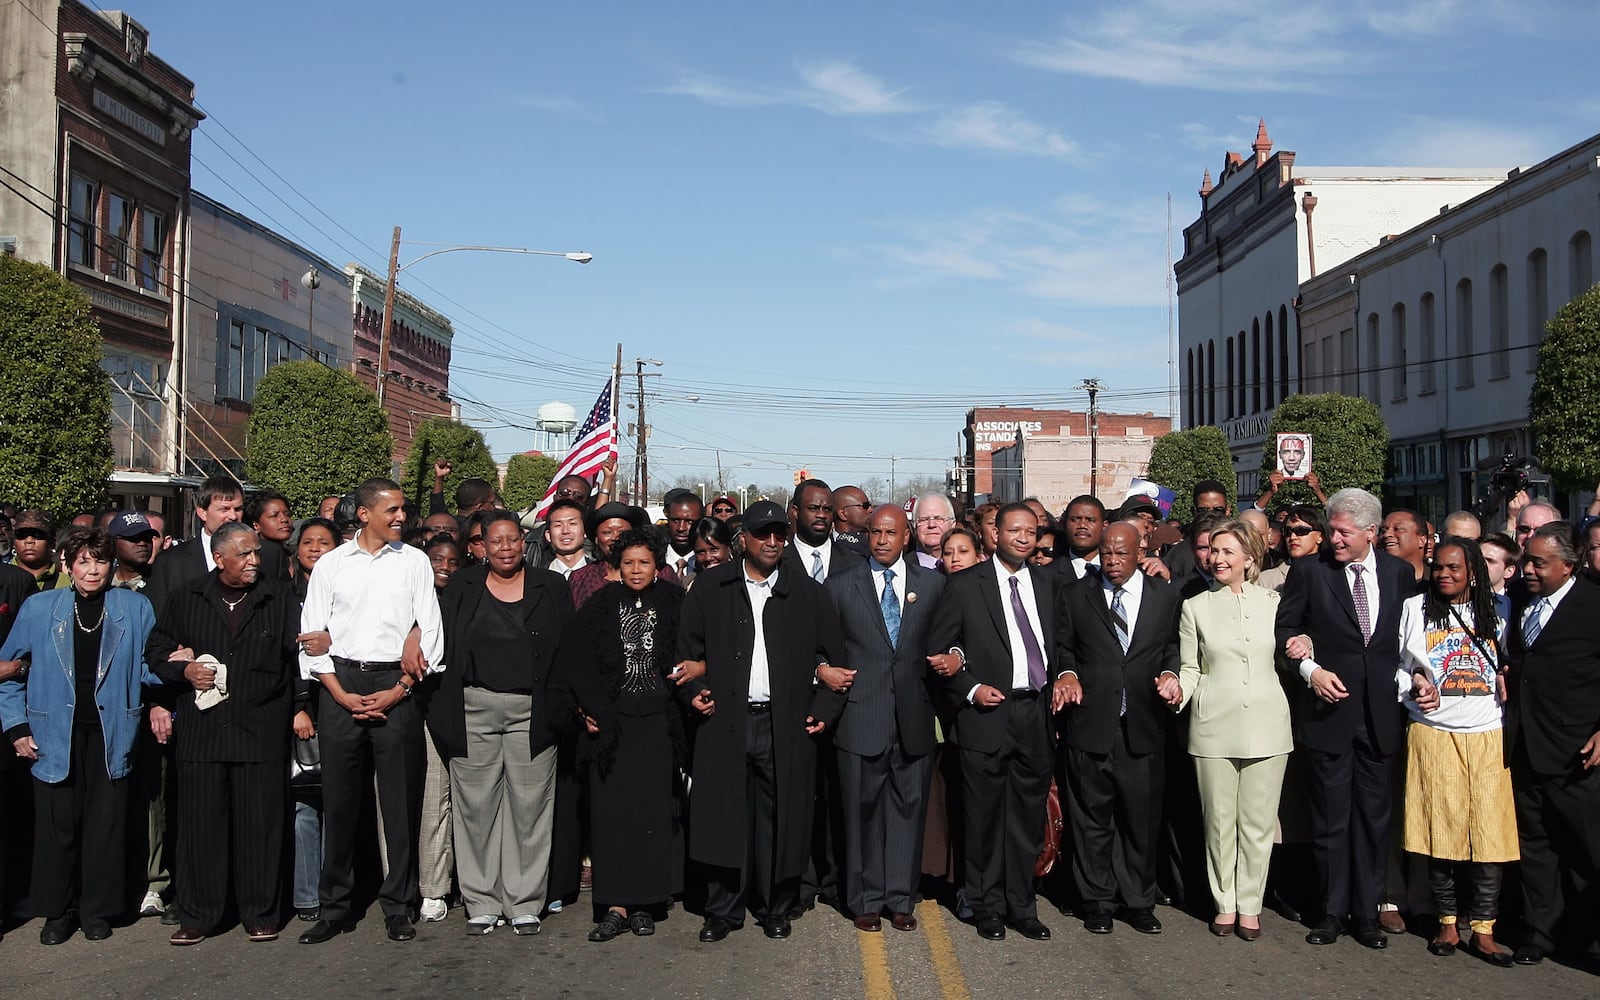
(1092, 385)
(721, 487)
(641, 471)
(388, 313)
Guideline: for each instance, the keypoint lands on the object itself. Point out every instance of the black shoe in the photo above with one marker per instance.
(1528, 954)
(1162, 899)
(713, 930)
(800, 908)
(57, 931)
(1283, 907)
(1097, 921)
(991, 928)
(777, 927)
(610, 925)
(310, 914)
(642, 924)
(1326, 932)
(1369, 935)
(95, 928)
(1444, 949)
(1032, 929)
(170, 917)
(325, 930)
(1144, 920)
(400, 927)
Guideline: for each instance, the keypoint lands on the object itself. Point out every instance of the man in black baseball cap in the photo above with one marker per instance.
(135, 537)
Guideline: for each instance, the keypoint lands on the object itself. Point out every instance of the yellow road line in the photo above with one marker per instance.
(875, 966)
(952, 984)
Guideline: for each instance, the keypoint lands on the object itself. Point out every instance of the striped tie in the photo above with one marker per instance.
(1119, 618)
(817, 572)
(1533, 624)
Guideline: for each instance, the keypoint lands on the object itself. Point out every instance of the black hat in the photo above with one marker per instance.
(605, 512)
(762, 515)
(130, 524)
(1137, 504)
(33, 522)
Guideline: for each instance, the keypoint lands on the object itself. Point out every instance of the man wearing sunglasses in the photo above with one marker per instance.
(851, 510)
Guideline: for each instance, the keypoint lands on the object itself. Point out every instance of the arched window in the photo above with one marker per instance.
(1255, 366)
(1188, 388)
(1243, 381)
(1370, 364)
(1283, 353)
(1397, 325)
(1538, 298)
(1580, 264)
(1229, 387)
(1499, 322)
(1427, 346)
(1211, 381)
(1463, 348)
(1270, 381)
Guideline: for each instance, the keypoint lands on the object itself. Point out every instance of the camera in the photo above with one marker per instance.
(1508, 478)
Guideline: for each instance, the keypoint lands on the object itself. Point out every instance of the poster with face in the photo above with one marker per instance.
(1294, 455)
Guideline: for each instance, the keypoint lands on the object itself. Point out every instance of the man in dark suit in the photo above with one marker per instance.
(219, 501)
(1080, 528)
(232, 757)
(1116, 675)
(1553, 741)
(998, 618)
(884, 739)
(1339, 624)
(16, 828)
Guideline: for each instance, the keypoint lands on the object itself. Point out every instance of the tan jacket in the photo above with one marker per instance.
(1225, 644)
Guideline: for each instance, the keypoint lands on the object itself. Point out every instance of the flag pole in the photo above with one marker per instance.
(616, 383)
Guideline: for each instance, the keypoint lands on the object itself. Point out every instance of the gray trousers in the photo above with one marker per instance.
(502, 805)
(885, 803)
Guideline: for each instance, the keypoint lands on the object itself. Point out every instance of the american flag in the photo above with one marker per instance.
(596, 441)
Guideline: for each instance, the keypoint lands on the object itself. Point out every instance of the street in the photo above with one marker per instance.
(826, 958)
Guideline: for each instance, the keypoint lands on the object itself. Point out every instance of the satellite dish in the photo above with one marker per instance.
(557, 418)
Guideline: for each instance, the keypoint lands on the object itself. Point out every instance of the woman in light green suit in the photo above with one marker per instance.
(1239, 731)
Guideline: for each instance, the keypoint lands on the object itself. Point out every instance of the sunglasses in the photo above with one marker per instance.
(1211, 510)
(770, 531)
(475, 540)
(1299, 530)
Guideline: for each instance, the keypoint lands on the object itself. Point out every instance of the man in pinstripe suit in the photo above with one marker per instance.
(884, 737)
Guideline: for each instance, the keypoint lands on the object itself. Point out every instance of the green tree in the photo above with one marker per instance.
(1349, 444)
(443, 438)
(528, 480)
(55, 399)
(1561, 407)
(315, 431)
(1182, 458)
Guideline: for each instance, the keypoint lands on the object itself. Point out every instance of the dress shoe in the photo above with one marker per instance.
(1326, 932)
(1144, 921)
(713, 930)
(991, 928)
(1244, 933)
(1391, 921)
(1032, 929)
(1484, 947)
(186, 936)
(903, 921)
(1097, 921)
(1162, 899)
(1528, 954)
(1369, 934)
(1221, 928)
(57, 931)
(799, 909)
(399, 927)
(262, 932)
(95, 928)
(777, 927)
(325, 930)
(310, 914)
(868, 922)
(1284, 908)
(170, 917)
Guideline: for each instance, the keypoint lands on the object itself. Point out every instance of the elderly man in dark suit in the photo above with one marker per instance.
(219, 501)
(232, 757)
(1553, 740)
(1339, 624)
(998, 618)
(1116, 676)
(884, 739)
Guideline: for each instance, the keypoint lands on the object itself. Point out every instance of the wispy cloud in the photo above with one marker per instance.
(1432, 142)
(555, 104)
(834, 88)
(993, 126)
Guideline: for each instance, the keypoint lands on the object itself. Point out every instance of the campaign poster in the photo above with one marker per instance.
(1294, 455)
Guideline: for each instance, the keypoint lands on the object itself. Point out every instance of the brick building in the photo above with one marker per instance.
(1056, 467)
(990, 428)
(419, 355)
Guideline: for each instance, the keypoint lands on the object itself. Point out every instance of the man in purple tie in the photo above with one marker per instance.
(999, 621)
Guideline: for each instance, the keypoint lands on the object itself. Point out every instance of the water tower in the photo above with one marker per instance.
(556, 423)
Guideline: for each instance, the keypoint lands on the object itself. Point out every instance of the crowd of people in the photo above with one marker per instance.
(1332, 710)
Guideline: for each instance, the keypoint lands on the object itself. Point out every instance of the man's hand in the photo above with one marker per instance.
(1514, 506)
(815, 725)
(182, 654)
(1316, 485)
(202, 676)
(608, 471)
(1152, 566)
(987, 696)
(589, 723)
(1423, 691)
(1067, 690)
(441, 471)
(687, 670)
(1275, 481)
(838, 679)
(1591, 752)
(377, 706)
(355, 704)
(1299, 647)
(315, 643)
(304, 728)
(1501, 687)
(703, 704)
(26, 748)
(944, 664)
(161, 724)
(1328, 686)
(411, 660)
(1169, 689)
(10, 669)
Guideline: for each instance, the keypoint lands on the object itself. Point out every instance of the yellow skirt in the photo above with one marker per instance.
(1458, 796)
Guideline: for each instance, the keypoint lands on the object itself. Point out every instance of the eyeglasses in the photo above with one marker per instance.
(1299, 530)
(571, 494)
(847, 506)
(770, 531)
(933, 520)
(475, 540)
(1211, 510)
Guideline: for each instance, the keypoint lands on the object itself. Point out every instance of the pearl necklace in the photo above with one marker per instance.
(79, 618)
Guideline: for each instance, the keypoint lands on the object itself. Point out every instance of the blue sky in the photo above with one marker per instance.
(838, 225)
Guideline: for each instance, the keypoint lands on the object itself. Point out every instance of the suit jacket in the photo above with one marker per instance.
(972, 617)
(839, 558)
(1227, 647)
(263, 670)
(1086, 643)
(1554, 703)
(1316, 601)
(546, 608)
(186, 562)
(889, 698)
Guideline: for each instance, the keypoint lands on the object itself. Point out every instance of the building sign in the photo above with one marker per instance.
(987, 433)
(129, 117)
(123, 307)
(1247, 428)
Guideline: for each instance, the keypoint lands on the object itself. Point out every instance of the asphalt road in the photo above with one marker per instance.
(825, 958)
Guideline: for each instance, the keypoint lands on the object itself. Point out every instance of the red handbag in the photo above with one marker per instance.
(1053, 825)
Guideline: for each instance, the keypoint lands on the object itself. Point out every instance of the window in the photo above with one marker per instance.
(1580, 264)
(119, 234)
(1188, 388)
(1230, 378)
(1499, 323)
(1464, 333)
(1397, 323)
(1283, 352)
(1329, 365)
(1243, 380)
(1270, 359)
(1538, 302)
(231, 386)
(1347, 364)
(1425, 344)
(1371, 368)
(1255, 366)
(137, 417)
(152, 250)
(82, 202)
(1211, 382)
(245, 353)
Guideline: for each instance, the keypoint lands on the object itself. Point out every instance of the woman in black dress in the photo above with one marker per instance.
(614, 678)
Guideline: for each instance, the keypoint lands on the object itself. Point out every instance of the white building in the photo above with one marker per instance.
(1265, 227)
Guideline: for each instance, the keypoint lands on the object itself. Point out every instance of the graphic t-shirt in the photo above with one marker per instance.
(1459, 666)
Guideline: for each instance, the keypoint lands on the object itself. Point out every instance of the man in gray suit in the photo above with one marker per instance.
(884, 737)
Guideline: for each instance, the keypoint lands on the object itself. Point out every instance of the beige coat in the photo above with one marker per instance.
(1226, 645)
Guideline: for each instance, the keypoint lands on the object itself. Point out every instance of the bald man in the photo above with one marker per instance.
(851, 508)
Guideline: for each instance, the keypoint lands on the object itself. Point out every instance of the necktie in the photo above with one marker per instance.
(1119, 618)
(683, 567)
(1030, 643)
(891, 608)
(1533, 625)
(1358, 593)
(817, 572)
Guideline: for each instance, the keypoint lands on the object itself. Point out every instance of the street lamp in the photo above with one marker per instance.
(311, 281)
(395, 267)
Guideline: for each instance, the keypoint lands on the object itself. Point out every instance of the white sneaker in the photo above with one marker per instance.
(478, 926)
(152, 905)
(434, 910)
(554, 906)
(525, 926)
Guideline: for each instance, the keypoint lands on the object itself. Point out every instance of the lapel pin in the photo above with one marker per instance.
(911, 598)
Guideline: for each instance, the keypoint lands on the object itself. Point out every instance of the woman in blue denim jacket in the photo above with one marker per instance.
(74, 713)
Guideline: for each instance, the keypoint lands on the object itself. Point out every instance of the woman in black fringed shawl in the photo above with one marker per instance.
(614, 682)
